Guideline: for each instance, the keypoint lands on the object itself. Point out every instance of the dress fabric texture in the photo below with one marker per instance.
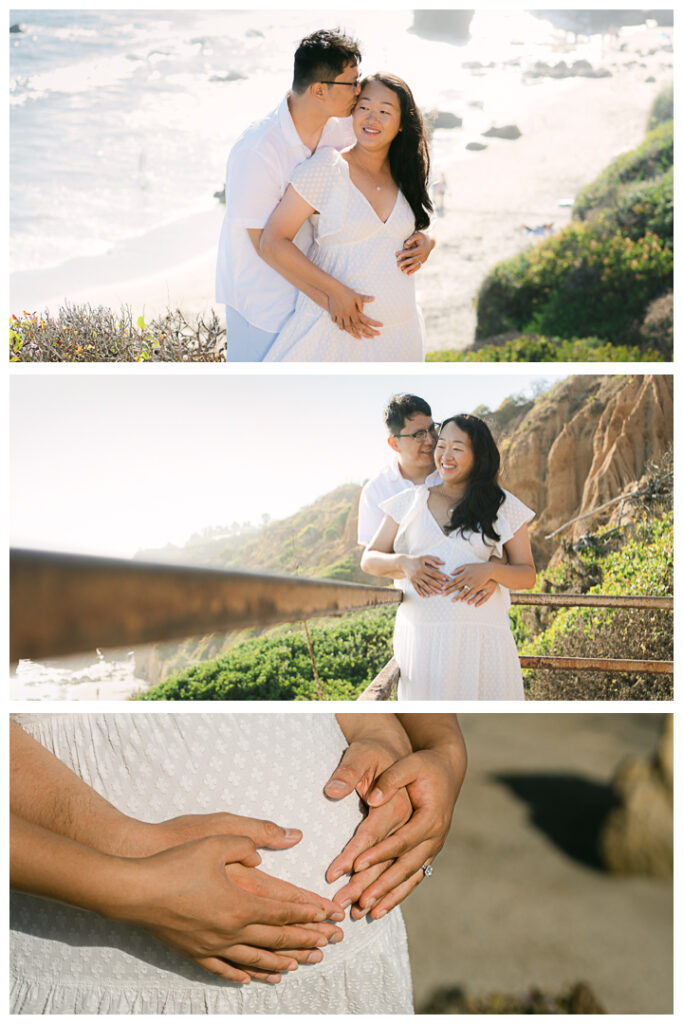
(156, 766)
(354, 246)
(450, 650)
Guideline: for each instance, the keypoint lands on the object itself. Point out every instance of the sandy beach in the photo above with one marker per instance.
(576, 126)
(527, 906)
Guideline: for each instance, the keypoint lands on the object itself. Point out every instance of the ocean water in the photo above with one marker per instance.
(122, 120)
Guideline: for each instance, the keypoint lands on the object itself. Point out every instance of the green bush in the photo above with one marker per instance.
(349, 653)
(654, 157)
(662, 108)
(346, 569)
(540, 349)
(643, 565)
(596, 278)
(576, 285)
(641, 208)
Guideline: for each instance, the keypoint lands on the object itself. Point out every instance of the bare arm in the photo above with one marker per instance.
(380, 559)
(204, 899)
(66, 804)
(344, 305)
(315, 294)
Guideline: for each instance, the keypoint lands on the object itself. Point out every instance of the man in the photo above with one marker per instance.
(314, 114)
(412, 436)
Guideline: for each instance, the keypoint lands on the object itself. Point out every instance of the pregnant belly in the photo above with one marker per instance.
(374, 272)
(436, 609)
(265, 766)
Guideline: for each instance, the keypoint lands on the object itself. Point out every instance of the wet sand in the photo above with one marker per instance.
(526, 907)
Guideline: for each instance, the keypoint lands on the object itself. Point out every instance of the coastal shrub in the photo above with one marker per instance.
(657, 329)
(83, 334)
(662, 108)
(348, 652)
(576, 285)
(652, 158)
(541, 349)
(642, 565)
(346, 569)
(641, 208)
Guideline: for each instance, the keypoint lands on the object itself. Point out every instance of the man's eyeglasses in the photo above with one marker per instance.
(354, 85)
(421, 435)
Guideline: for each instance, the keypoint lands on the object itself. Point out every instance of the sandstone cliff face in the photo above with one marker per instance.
(584, 443)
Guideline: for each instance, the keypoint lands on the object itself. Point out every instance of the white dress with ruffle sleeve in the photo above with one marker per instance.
(450, 650)
(154, 766)
(354, 246)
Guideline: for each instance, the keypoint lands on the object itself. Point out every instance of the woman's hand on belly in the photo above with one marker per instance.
(472, 583)
(207, 901)
(432, 779)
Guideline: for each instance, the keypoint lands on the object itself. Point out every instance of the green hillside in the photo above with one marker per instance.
(600, 289)
(350, 652)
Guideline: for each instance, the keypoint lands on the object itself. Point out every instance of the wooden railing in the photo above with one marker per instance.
(65, 604)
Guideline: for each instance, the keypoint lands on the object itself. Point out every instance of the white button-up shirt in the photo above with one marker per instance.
(258, 172)
(387, 483)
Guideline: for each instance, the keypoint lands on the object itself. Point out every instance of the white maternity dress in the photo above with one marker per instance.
(354, 246)
(450, 650)
(156, 766)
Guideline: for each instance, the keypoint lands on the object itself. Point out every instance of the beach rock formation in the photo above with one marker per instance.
(587, 22)
(637, 837)
(443, 119)
(587, 441)
(229, 76)
(476, 146)
(16, 28)
(451, 26)
(579, 69)
(507, 131)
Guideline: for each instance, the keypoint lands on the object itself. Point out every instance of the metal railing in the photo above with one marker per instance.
(65, 604)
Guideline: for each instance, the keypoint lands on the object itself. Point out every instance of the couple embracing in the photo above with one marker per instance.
(437, 521)
(326, 205)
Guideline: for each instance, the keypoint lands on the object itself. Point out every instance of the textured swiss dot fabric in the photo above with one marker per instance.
(450, 650)
(156, 766)
(355, 247)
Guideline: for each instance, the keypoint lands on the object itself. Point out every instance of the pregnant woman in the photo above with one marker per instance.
(364, 204)
(440, 541)
(67, 959)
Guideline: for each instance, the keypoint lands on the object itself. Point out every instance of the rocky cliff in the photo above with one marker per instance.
(583, 443)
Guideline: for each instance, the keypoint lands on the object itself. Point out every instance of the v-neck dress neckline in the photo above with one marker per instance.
(365, 198)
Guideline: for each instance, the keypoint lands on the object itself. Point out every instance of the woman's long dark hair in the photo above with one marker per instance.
(483, 496)
(408, 154)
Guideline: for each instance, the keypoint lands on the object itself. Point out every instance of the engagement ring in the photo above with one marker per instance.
(428, 870)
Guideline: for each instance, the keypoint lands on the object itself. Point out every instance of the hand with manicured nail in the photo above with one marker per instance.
(386, 871)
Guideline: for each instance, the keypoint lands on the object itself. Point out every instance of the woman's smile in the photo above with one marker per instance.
(453, 454)
(377, 113)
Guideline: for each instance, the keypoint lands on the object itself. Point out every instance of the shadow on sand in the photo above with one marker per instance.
(568, 809)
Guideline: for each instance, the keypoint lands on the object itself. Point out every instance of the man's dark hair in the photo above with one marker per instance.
(402, 407)
(322, 56)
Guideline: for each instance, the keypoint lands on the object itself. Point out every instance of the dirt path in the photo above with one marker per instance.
(515, 900)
